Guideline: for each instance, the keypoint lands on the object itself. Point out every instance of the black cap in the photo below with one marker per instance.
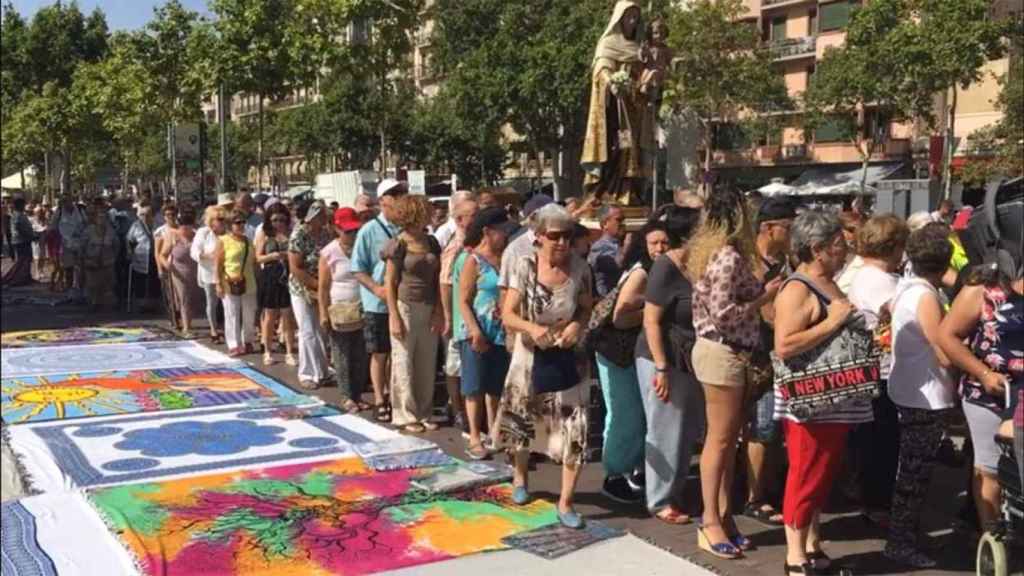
(494, 217)
(536, 202)
(776, 209)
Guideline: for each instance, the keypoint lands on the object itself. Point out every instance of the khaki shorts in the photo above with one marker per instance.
(717, 364)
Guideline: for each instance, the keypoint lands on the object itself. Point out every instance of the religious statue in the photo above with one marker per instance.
(657, 59)
(619, 144)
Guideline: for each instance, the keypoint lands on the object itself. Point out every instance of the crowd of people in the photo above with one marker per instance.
(689, 324)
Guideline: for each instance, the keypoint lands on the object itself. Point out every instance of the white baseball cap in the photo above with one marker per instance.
(391, 186)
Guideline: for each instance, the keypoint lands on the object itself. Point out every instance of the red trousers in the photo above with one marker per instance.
(815, 455)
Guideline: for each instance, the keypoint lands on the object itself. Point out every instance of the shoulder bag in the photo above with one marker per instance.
(842, 368)
(615, 344)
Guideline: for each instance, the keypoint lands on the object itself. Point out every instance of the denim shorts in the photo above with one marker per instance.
(764, 429)
(483, 373)
(377, 333)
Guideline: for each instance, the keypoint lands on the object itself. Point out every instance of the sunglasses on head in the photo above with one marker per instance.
(556, 235)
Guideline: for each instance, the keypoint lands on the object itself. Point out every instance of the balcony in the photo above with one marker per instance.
(774, 3)
(793, 48)
(794, 152)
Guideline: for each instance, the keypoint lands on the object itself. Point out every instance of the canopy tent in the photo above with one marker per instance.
(831, 181)
(777, 188)
(13, 182)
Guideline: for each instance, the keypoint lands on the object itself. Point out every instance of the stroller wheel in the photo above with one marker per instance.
(992, 559)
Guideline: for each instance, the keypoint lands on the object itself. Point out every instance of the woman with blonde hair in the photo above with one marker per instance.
(412, 281)
(727, 298)
(204, 252)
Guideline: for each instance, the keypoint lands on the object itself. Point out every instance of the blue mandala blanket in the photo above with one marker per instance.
(124, 449)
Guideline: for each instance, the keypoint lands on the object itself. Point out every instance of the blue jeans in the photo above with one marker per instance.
(674, 428)
(624, 423)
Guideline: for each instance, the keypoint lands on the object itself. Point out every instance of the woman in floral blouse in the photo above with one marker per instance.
(308, 239)
(726, 301)
(990, 313)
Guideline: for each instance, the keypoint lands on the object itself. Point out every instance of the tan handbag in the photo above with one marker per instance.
(346, 316)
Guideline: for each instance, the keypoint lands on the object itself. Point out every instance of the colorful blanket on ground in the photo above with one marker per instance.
(85, 394)
(114, 334)
(21, 362)
(313, 519)
(120, 449)
(58, 535)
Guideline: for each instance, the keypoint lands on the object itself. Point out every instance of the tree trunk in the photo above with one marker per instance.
(259, 147)
(947, 165)
(706, 184)
(865, 161)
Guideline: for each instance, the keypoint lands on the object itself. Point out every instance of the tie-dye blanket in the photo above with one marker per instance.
(334, 517)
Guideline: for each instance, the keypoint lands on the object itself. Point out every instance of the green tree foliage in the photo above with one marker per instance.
(723, 73)
(40, 112)
(514, 64)
(175, 48)
(897, 56)
(124, 95)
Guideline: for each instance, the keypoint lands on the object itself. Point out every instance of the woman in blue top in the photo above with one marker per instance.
(481, 336)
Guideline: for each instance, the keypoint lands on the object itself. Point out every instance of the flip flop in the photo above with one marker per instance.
(672, 516)
(477, 452)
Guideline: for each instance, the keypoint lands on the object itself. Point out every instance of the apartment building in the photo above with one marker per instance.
(798, 32)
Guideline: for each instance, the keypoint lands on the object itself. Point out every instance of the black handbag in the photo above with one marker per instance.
(615, 344)
(554, 370)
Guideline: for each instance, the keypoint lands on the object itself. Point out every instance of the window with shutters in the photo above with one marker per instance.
(812, 22)
(778, 29)
(834, 16)
(829, 131)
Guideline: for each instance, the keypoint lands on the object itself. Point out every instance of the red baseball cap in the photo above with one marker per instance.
(346, 219)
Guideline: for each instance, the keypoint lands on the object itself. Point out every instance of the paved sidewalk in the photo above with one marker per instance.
(848, 538)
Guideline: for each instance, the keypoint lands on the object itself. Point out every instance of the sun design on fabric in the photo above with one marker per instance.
(23, 401)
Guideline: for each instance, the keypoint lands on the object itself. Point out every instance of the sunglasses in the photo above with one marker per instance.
(218, 219)
(279, 219)
(558, 235)
(238, 222)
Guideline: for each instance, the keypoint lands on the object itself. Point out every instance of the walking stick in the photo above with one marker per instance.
(131, 293)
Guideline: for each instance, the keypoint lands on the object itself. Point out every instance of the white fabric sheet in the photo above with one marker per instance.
(72, 535)
(21, 362)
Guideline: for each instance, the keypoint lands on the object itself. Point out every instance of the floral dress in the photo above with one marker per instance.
(553, 423)
(308, 246)
(999, 343)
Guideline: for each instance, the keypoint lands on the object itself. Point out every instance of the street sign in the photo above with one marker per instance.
(186, 142)
(417, 182)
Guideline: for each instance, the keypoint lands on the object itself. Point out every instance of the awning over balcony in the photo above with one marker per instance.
(826, 180)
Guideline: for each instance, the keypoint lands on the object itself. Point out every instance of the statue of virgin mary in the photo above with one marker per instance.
(618, 140)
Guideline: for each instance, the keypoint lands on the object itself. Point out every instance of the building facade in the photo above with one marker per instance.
(798, 32)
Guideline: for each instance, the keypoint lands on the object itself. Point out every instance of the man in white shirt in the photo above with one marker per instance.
(523, 245)
(447, 230)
